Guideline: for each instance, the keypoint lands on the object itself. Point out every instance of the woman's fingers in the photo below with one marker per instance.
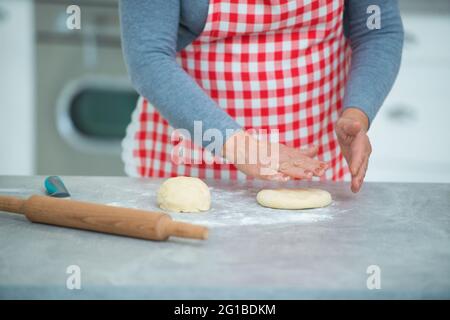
(303, 167)
(301, 164)
(287, 163)
(284, 163)
(358, 152)
(360, 167)
(277, 177)
(322, 168)
(316, 167)
(310, 152)
(357, 180)
(363, 167)
(290, 169)
(357, 159)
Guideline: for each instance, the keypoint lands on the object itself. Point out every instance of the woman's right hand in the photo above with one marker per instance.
(263, 159)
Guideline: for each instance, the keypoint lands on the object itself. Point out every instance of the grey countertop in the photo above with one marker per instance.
(252, 252)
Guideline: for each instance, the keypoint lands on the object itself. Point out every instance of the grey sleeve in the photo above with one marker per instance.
(149, 41)
(376, 54)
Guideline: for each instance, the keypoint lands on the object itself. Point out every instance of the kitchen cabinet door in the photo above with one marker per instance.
(16, 87)
(426, 39)
(411, 134)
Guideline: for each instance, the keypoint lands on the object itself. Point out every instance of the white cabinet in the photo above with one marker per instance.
(16, 87)
(411, 133)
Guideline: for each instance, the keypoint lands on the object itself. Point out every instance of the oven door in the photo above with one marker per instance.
(84, 97)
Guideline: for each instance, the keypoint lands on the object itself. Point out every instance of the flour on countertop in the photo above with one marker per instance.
(232, 207)
(256, 215)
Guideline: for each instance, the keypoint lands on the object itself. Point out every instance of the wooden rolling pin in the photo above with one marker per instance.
(101, 218)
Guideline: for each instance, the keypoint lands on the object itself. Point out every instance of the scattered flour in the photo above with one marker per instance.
(233, 207)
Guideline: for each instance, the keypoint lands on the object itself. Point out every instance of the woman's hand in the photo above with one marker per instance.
(351, 130)
(271, 161)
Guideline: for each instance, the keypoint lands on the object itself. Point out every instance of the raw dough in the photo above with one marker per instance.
(293, 198)
(184, 194)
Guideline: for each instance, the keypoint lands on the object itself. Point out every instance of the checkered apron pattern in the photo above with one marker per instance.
(270, 64)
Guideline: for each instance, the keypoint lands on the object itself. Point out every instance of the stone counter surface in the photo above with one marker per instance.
(252, 252)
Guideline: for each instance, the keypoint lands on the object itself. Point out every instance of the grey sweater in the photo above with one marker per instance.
(153, 31)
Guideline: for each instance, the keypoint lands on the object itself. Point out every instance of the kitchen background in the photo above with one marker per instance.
(65, 98)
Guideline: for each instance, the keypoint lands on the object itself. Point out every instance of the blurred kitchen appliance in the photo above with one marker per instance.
(84, 98)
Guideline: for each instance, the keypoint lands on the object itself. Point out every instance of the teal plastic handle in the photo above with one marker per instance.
(55, 187)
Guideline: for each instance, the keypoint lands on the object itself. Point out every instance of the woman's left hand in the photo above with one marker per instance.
(351, 130)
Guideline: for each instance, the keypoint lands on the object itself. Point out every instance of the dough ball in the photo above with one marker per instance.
(293, 198)
(184, 194)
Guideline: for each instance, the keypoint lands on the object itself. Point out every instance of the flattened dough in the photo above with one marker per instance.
(293, 198)
(184, 194)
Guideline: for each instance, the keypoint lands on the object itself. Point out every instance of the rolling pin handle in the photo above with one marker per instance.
(185, 230)
(12, 204)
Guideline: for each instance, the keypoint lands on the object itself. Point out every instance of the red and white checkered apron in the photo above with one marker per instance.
(270, 64)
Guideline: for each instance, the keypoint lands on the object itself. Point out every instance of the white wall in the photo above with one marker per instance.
(16, 87)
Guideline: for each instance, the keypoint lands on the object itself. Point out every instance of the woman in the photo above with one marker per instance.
(313, 71)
